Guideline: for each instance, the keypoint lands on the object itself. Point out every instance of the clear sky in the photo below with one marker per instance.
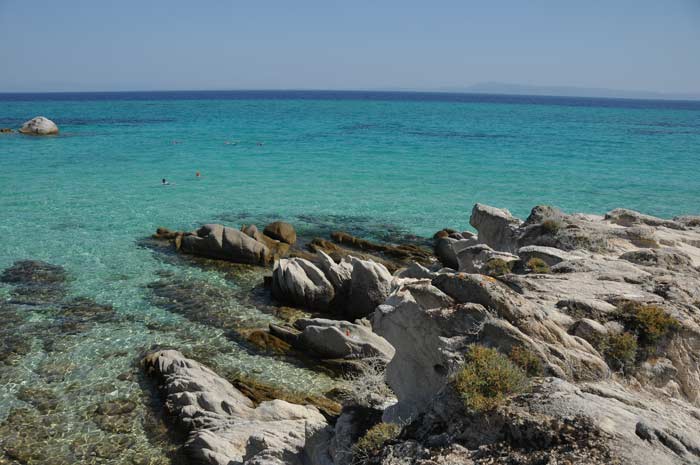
(354, 44)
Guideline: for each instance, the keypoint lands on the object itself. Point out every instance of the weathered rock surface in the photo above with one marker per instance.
(217, 241)
(301, 283)
(39, 126)
(475, 259)
(224, 427)
(352, 288)
(336, 339)
(497, 227)
(550, 255)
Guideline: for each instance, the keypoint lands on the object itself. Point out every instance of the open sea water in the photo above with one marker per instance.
(379, 164)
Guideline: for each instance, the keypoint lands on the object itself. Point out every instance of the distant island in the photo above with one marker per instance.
(568, 91)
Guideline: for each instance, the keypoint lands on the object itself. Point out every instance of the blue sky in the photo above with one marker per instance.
(152, 44)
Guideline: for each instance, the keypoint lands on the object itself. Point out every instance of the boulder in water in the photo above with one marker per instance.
(39, 126)
(217, 241)
(281, 231)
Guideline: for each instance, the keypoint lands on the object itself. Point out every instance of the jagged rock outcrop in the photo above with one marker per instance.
(39, 126)
(352, 288)
(496, 227)
(225, 428)
(217, 241)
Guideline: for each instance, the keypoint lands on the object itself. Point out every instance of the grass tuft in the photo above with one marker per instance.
(537, 265)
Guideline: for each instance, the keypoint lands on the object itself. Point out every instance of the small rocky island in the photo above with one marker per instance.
(39, 126)
(563, 338)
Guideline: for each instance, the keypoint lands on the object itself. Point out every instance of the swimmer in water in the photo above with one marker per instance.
(164, 182)
(198, 175)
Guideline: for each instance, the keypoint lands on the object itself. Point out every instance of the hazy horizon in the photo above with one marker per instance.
(631, 47)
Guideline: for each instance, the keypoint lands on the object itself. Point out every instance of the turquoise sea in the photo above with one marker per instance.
(383, 165)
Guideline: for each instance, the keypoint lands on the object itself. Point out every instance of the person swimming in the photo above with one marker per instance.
(164, 182)
(198, 174)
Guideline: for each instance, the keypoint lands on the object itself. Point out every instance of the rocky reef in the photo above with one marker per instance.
(561, 338)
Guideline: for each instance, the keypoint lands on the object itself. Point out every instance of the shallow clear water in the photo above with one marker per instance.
(379, 164)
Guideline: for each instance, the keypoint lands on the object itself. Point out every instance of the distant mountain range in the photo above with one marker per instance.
(566, 91)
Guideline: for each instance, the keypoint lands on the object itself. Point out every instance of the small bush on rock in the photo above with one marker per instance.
(537, 265)
(374, 439)
(527, 360)
(497, 267)
(620, 350)
(551, 226)
(487, 379)
(367, 387)
(652, 325)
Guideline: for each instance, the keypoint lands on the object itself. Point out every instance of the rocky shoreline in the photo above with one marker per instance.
(561, 338)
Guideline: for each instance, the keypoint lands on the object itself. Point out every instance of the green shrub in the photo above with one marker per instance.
(527, 360)
(487, 379)
(650, 323)
(620, 350)
(375, 438)
(498, 267)
(551, 226)
(537, 265)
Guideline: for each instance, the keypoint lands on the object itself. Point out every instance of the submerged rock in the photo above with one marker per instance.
(35, 282)
(39, 126)
(225, 427)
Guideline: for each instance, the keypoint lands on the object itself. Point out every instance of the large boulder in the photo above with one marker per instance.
(370, 285)
(224, 427)
(217, 241)
(300, 282)
(497, 227)
(338, 339)
(39, 126)
(281, 231)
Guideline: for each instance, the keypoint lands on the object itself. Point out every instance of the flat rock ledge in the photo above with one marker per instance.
(225, 428)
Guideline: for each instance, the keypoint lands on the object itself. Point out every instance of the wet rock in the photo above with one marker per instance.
(6, 130)
(403, 252)
(281, 231)
(35, 282)
(39, 126)
(496, 227)
(216, 241)
(224, 426)
(268, 342)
